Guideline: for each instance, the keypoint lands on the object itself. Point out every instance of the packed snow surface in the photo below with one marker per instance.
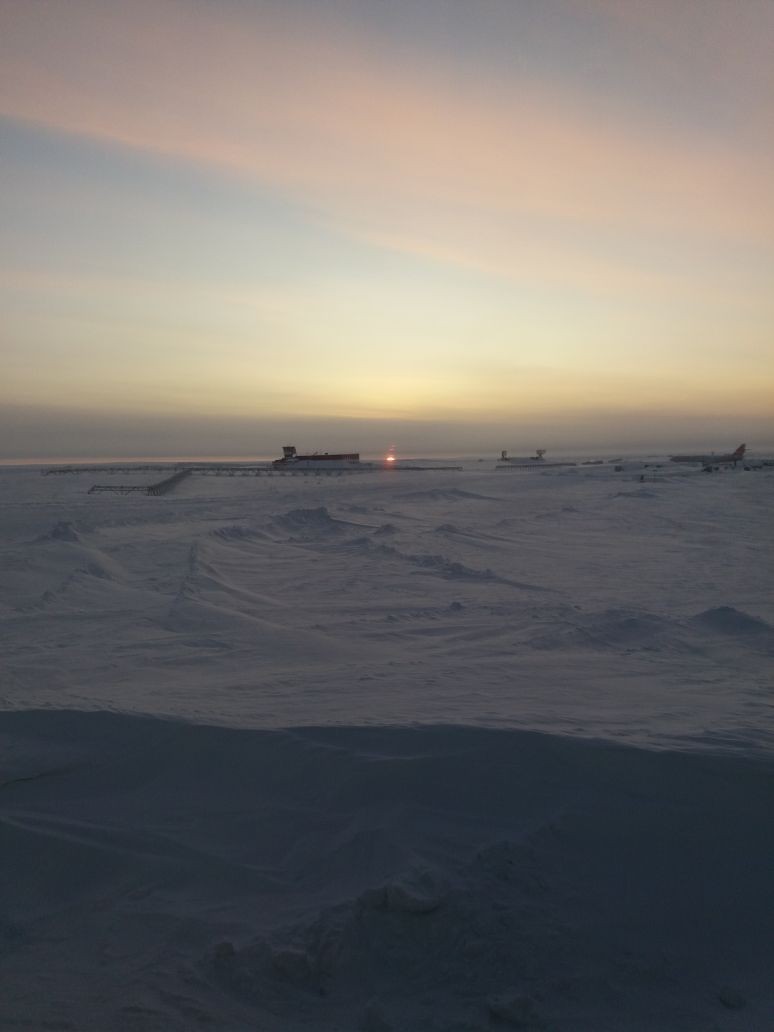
(418, 750)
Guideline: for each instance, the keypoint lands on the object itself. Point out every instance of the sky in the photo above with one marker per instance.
(441, 225)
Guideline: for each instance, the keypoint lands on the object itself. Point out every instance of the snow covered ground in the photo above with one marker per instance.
(394, 750)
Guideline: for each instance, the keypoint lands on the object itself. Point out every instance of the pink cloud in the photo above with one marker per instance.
(391, 150)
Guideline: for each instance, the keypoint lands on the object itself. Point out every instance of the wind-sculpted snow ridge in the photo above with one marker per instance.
(437, 878)
(471, 537)
(438, 565)
(613, 629)
(448, 568)
(239, 533)
(452, 570)
(310, 522)
(451, 494)
(64, 569)
(631, 631)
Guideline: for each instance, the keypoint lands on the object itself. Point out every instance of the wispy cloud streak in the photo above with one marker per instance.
(393, 149)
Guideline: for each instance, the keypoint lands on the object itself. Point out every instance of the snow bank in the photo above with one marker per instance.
(412, 879)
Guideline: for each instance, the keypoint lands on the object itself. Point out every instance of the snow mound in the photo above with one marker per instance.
(309, 524)
(735, 622)
(449, 568)
(496, 938)
(386, 529)
(405, 951)
(318, 519)
(446, 528)
(61, 531)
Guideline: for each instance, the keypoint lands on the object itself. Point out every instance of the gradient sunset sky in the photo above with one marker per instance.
(448, 225)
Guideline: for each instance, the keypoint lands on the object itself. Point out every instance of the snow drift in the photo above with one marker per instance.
(426, 878)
